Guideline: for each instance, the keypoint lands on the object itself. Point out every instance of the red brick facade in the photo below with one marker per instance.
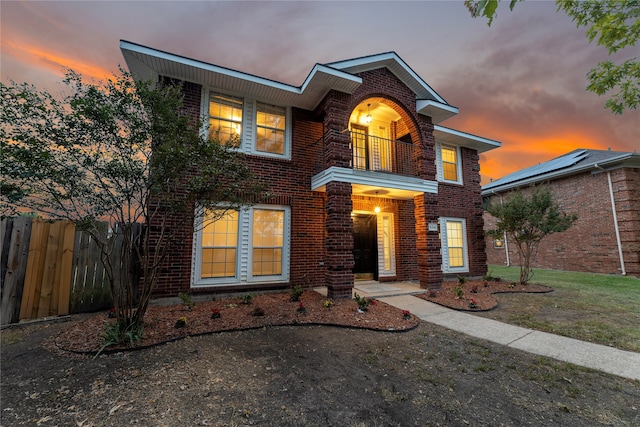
(590, 245)
(321, 239)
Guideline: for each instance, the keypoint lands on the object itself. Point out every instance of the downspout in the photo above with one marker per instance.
(504, 235)
(615, 219)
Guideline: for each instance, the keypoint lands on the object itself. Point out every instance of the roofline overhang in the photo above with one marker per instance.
(397, 66)
(463, 139)
(631, 160)
(146, 63)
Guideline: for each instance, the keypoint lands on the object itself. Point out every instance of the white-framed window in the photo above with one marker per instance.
(270, 128)
(252, 126)
(386, 245)
(246, 246)
(453, 232)
(448, 164)
(225, 118)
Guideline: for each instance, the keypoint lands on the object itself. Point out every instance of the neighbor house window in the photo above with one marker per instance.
(270, 128)
(250, 245)
(225, 118)
(448, 163)
(454, 245)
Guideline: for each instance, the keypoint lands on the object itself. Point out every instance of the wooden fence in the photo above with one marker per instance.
(50, 269)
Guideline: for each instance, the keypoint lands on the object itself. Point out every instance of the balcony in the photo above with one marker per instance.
(372, 153)
(376, 166)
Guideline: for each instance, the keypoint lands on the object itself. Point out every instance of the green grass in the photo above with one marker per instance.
(598, 308)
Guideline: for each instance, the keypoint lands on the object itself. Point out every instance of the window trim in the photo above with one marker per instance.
(244, 251)
(249, 123)
(440, 164)
(445, 247)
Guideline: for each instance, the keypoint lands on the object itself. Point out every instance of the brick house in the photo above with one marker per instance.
(367, 183)
(603, 189)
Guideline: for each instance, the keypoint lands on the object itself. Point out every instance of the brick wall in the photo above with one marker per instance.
(590, 244)
(321, 234)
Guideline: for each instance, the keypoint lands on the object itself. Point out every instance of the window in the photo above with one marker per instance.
(250, 245)
(270, 128)
(251, 126)
(219, 245)
(225, 118)
(454, 245)
(386, 249)
(268, 239)
(448, 163)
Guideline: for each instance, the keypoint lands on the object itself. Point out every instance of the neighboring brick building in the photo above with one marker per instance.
(603, 189)
(367, 184)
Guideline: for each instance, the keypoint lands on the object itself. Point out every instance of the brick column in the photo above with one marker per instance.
(339, 240)
(428, 242)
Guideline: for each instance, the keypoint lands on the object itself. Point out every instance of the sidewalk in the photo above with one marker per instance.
(595, 356)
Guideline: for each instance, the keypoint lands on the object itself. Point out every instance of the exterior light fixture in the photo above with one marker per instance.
(377, 209)
(368, 118)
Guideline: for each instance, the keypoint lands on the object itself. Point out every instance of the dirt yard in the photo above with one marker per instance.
(304, 375)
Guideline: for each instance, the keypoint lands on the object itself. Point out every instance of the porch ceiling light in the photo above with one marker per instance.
(368, 118)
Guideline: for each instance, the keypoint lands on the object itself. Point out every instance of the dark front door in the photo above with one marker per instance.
(365, 247)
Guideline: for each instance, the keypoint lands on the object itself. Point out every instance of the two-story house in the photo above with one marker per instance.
(367, 184)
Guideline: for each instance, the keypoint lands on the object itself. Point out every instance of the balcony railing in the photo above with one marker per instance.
(372, 153)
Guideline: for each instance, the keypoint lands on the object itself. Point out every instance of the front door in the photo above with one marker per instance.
(365, 247)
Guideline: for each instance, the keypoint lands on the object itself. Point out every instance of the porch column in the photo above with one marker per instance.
(339, 240)
(428, 242)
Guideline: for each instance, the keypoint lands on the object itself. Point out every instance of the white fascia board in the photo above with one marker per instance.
(161, 55)
(323, 69)
(438, 111)
(464, 139)
(321, 76)
(374, 179)
(372, 62)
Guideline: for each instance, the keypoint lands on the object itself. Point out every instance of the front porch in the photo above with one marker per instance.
(375, 289)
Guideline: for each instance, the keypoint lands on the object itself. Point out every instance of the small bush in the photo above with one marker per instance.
(246, 299)
(295, 293)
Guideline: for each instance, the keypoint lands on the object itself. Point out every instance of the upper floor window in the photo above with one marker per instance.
(225, 118)
(251, 126)
(448, 164)
(270, 128)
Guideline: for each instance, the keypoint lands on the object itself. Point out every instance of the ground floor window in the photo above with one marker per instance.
(386, 243)
(246, 246)
(455, 257)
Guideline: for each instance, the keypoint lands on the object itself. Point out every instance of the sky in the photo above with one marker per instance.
(521, 81)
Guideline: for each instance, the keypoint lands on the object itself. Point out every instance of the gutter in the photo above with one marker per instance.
(615, 219)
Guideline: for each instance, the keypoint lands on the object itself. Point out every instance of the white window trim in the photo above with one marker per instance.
(382, 272)
(249, 114)
(244, 252)
(445, 248)
(439, 168)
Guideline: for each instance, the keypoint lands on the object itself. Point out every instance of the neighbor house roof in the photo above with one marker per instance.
(577, 161)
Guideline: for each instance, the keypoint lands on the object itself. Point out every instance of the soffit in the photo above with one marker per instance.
(147, 64)
(462, 139)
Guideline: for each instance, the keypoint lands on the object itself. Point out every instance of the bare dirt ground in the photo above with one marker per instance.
(303, 375)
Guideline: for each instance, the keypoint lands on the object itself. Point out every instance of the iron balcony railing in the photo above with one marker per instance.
(377, 154)
(371, 153)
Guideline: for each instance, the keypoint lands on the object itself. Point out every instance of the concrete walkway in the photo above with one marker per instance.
(595, 356)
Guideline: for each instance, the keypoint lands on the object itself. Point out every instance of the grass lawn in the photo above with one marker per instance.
(599, 308)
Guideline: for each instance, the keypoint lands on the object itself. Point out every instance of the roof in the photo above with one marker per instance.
(146, 63)
(578, 161)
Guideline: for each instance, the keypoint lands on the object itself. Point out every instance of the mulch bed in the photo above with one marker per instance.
(478, 295)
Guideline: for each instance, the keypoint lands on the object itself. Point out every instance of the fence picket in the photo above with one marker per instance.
(14, 265)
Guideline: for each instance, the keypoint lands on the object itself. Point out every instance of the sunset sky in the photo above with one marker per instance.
(521, 81)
